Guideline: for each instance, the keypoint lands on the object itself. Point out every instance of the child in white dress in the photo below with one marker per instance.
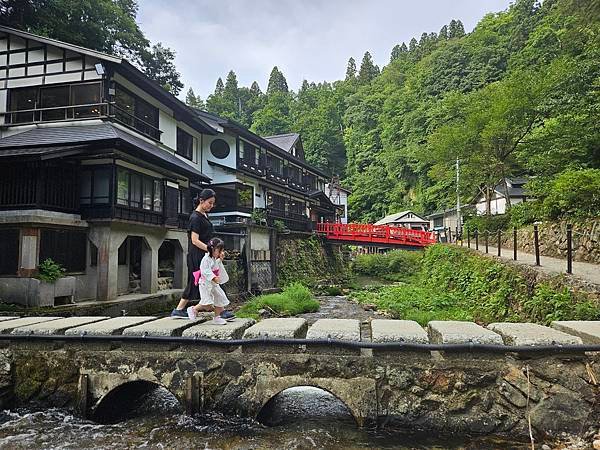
(212, 275)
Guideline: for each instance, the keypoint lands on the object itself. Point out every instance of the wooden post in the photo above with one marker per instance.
(499, 242)
(487, 239)
(569, 248)
(536, 244)
(82, 395)
(476, 239)
(468, 238)
(515, 243)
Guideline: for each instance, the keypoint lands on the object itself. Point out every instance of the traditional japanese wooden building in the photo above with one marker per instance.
(98, 165)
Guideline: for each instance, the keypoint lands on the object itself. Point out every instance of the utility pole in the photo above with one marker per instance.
(458, 221)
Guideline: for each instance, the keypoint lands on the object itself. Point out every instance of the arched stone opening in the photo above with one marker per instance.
(170, 264)
(305, 402)
(134, 398)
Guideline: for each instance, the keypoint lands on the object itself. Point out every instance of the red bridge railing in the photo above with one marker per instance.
(379, 234)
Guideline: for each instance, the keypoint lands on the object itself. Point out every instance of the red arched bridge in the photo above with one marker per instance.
(376, 235)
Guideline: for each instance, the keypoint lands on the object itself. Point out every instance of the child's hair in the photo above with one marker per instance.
(215, 244)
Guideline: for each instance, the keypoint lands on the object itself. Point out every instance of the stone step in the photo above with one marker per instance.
(9, 325)
(387, 330)
(56, 326)
(114, 326)
(167, 326)
(532, 334)
(208, 330)
(588, 331)
(281, 328)
(343, 329)
(459, 332)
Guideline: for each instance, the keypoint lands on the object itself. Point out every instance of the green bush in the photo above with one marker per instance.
(526, 213)
(487, 223)
(295, 299)
(573, 193)
(50, 271)
(396, 262)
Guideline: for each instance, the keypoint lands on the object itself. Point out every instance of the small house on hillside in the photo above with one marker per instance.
(497, 205)
(446, 218)
(406, 219)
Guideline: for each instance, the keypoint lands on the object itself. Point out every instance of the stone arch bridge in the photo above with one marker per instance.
(451, 377)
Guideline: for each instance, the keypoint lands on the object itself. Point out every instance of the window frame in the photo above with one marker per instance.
(181, 133)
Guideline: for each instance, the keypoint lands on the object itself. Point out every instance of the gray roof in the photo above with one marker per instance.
(47, 140)
(399, 218)
(515, 187)
(284, 141)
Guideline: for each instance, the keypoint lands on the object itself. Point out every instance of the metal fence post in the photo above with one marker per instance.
(515, 243)
(487, 238)
(468, 238)
(499, 242)
(449, 235)
(476, 239)
(569, 248)
(536, 244)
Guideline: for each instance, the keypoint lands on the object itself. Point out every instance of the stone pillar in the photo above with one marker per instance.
(180, 243)
(108, 243)
(149, 275)
(180, 269)
(30, 238)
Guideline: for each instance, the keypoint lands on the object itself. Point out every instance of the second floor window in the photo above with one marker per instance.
(137, 113)
(275, 164)
(54, 102)
(185, 144)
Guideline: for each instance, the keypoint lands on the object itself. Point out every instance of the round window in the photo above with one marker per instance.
(219, 148)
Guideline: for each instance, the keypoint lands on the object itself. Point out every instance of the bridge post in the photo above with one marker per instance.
(499, 242)
(569, 248)
(468, 238)
(192, 395)
(476, 239)
(536, 243)
(82, 395)
(487, 240)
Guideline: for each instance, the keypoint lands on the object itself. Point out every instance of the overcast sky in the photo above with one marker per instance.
(306, 39)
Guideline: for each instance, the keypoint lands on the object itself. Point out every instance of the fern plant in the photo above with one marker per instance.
(50, 271)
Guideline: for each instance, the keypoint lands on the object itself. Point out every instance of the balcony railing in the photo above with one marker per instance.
(126, 118)
(55, 114)
(81, 112)
(250, 165)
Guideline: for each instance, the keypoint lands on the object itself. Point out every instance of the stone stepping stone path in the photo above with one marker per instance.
(521, 334)
(457, 332)
(588, 331)
(387, 330)
(208, 330)
(380, 330)
(114, 326)
(56, 326)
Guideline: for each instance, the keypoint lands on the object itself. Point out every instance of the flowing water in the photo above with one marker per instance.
(299, 418)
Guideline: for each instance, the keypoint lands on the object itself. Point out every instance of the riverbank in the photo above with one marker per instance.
(452, 283)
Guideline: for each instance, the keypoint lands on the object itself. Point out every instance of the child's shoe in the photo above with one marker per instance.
(219, 321)
(228, 315)
(191, 312)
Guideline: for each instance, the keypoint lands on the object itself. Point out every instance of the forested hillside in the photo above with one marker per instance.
(519, 95)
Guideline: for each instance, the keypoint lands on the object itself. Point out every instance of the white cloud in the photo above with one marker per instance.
(310, 39)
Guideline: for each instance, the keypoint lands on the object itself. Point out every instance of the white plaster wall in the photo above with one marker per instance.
(260, 239)
(168, 125)
(229, 161)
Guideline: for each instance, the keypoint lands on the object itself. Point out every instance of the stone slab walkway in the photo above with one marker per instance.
(553, 266)
(571, 332)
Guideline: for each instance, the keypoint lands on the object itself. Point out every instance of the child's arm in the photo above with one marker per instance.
(206, 269)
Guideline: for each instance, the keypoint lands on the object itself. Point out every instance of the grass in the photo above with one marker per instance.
(448, 283)
(295, 299)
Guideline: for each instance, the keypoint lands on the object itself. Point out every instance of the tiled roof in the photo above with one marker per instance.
(48, 139)
(283, 141)
(397, 218)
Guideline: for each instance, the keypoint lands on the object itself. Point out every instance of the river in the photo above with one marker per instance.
(300, 418)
